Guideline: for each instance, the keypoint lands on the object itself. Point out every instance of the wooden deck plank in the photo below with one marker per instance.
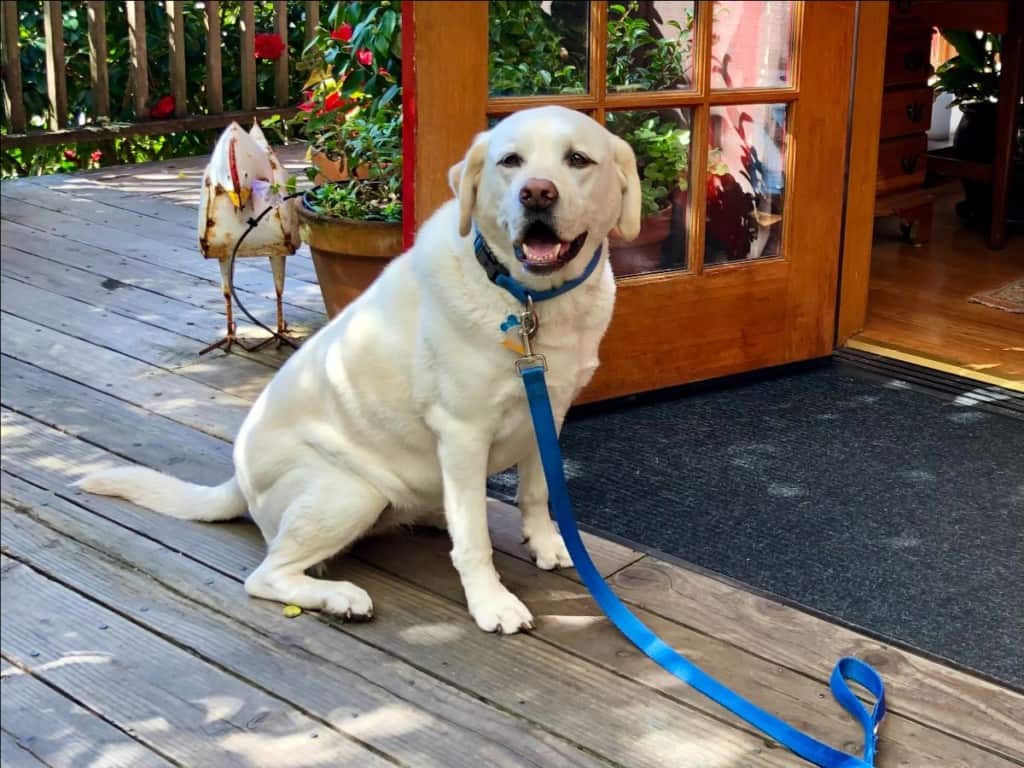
(943, 697)
(222, 594)
(918, 684)
(242, 377)
(185, 401)
(251, 275)
(568, 618)
(58, 239)
(13, 755)
(793, 696)
(100, 419)
(203, 292)
(520, 674)
(777, 655)
(457, 735)
(55, 731)
(195, 445)
(109, 294)
(94, 214)
(181, 707)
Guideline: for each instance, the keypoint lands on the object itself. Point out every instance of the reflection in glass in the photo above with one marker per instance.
(751, 44)
(650, 45)
(661, 141)
(537, 47)
(746, 182)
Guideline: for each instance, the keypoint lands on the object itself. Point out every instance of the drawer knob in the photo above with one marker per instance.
(915, 111)
(909, 163)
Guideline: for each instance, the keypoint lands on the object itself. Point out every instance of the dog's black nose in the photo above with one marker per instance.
(538, 194)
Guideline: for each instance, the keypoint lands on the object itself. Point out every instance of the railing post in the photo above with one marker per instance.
(281, 95)
(98, 58)
(312, 19)
(14, 102)
(176, 44)
(248, 54)
(214, 71)
(56, 84)
(136, 10)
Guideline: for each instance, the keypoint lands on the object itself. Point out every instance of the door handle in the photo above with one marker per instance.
(909, 163)
(915, 111)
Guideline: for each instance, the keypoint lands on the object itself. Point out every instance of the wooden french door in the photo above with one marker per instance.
(738, 113)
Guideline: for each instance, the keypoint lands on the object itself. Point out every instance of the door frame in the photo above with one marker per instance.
(862, 168)
(800, 318)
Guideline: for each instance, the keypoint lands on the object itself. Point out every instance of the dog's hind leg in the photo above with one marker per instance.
(333, 511)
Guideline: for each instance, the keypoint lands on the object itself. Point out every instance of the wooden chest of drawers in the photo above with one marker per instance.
(906, 116)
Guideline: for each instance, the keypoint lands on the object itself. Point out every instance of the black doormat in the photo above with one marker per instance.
(891, 506)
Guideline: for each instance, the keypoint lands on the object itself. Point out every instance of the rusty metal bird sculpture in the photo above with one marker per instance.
(244, 178)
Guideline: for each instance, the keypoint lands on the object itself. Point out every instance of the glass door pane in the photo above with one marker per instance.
(650, 46)
(751, 44)
(537, 47)
(745, 182)
(661, 141)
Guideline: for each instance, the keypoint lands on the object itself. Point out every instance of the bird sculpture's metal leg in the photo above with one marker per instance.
(277, 264)
(229, 339)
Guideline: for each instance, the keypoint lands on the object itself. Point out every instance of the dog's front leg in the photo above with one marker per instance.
(463, 457)
(539, 532)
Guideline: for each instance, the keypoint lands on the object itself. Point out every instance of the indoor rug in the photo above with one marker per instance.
(1009, 297)
(887, 507)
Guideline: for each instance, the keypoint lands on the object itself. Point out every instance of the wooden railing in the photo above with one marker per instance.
(99, 126)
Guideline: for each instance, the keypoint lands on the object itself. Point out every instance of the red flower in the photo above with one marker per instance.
(333, 102)
(383, 71)
(365, 57)
(342, 33)
(70, 154)
(164, 107)
(269, 46)
(96, 156)
(307, 106)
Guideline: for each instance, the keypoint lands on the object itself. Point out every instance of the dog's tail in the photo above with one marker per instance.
(168, 495)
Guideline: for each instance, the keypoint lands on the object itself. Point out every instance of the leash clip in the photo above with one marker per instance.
(528, 325)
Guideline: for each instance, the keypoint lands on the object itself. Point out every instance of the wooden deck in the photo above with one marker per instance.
(129, 641)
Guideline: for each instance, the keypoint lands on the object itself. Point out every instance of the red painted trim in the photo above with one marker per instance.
(408, 123)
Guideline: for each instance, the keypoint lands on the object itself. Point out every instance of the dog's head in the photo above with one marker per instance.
(545, 185)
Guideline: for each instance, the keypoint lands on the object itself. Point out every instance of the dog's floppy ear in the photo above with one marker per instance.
(464, 178)
(454, 175)
(629, 179)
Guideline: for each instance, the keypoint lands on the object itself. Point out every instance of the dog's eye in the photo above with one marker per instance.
(578, 160)
(511, 160)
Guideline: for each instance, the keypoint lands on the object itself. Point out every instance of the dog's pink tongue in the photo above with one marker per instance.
(541, 251)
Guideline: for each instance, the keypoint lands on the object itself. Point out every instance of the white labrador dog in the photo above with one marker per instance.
(404, 404)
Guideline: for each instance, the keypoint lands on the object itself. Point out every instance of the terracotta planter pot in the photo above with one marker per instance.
(348, 254)
(634, 257)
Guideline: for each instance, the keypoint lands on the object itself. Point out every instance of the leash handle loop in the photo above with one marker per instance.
(801, 744)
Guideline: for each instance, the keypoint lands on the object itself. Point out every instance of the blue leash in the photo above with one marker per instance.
(846, 669)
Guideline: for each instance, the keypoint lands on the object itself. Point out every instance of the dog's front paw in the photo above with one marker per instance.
(501, 612)
(548, 551)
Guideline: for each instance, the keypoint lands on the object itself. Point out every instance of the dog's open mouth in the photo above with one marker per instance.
(541, 250)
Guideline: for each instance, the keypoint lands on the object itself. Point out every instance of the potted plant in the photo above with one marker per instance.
(662, 153)
(972, 79)
(352, 119)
